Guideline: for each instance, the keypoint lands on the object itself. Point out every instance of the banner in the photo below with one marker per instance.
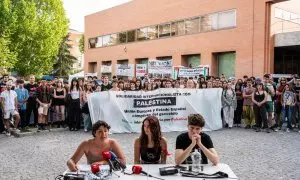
(106, 69)
(160, 68)
(125, 70)
(125, 111)
(190, 72)
(141, 70)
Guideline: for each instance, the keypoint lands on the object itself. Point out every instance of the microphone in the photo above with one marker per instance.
(107, 156)
(114, 158)
(139, 170)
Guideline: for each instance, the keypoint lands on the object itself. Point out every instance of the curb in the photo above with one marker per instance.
(33, 131)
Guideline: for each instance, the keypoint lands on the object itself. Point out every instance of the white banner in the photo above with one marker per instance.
(125, 70)
(106, 69)
(160, 68)
(141, 70)
(190, 72)
(125, 111)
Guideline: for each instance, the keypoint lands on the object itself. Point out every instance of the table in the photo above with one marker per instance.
(153, 169)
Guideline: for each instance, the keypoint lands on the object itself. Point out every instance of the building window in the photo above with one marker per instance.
(106, 40)
(192, 26)
(286, 15)
(142, 34)
(177, 28)
(92, 42)
(164, 30)
(99, 42)
(153, 32)
(131, 36)
(122, 37)
(206, 22)
(227, 19)
(113, 39)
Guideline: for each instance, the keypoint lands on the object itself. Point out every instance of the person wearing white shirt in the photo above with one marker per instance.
(9, 106)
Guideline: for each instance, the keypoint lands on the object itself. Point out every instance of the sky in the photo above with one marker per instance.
(77, 9)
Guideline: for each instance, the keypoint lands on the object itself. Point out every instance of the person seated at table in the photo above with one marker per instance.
(187, 142)
(93, 148)
(150, 147)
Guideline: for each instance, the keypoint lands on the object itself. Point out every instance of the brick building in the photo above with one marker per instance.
(233, 37)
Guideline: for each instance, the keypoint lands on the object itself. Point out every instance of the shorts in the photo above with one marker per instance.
(11, 112)
(269, 106)
(43, 110)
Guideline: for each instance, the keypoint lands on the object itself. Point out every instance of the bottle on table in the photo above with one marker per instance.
(196, 159)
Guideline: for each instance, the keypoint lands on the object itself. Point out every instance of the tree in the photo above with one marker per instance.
(81, 44)
(65, 60)
(34, 29)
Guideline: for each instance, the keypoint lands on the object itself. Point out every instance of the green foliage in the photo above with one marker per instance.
(32, 31)
(81, 44)
(65, 61)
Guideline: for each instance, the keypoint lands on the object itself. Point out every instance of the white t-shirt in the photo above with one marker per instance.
(9, 99)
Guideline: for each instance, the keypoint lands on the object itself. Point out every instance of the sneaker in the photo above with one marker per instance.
(247, 127)
(257, 130)
(8, 134)
(287, 130)
(268, 130)
(85, 130)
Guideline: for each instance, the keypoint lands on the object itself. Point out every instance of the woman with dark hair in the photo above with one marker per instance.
(138, 84)
(150, 147)
(239, 108)
(59, 103)
(259, 98)
(93, 148)
(74, 111)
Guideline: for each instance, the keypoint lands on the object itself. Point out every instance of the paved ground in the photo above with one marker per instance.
(251, 155)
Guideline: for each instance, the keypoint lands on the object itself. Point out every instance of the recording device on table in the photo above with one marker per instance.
(139, 170)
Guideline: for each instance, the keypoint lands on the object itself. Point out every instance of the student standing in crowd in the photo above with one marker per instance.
(151, 147)
(22, 96)
(105, 86)
(239, 108)
(278, 106)
(132, 86)
(44, 100)
(87, 123)
(229, 104)
(115, 86)
(31, 103)
(288, 102)
(248, 105)
(9, 106)
(259, 99)
(297, 107)
(138, 85)
(190, 84)
(269, 88)
(59, 103)
(74, 111)
(187, 142)
(121, 85)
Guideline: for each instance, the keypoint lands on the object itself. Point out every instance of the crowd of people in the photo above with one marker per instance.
(263, 103)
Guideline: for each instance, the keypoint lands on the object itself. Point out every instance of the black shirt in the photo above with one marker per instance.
(297, 90)
(183, 141)
(150, 155)
(32, 90)
(105, 87)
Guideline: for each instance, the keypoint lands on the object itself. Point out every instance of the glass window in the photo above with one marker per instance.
(227, 19)
(206, 22)
(122, 37)
(286, 15)
(92, 42)
(113, 39)
(131, 36)
(99, 42)
(153, 32)
(164, 30)
(278, 13)
(177, 28)
(106, 40)
(142, 34)
(192, 26)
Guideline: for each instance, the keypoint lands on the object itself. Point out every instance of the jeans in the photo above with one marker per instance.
(87, 123)
(287, 112)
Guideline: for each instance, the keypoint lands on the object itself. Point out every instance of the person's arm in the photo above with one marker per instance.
(210, 153)
(181, 155)
(164, 147)
(54, 94)
(26, 96)
(64, 95)
(16, 103)
(137, 152)
(72, 163)
(117, 150)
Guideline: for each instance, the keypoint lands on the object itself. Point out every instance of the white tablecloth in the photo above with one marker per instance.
(153, 169)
